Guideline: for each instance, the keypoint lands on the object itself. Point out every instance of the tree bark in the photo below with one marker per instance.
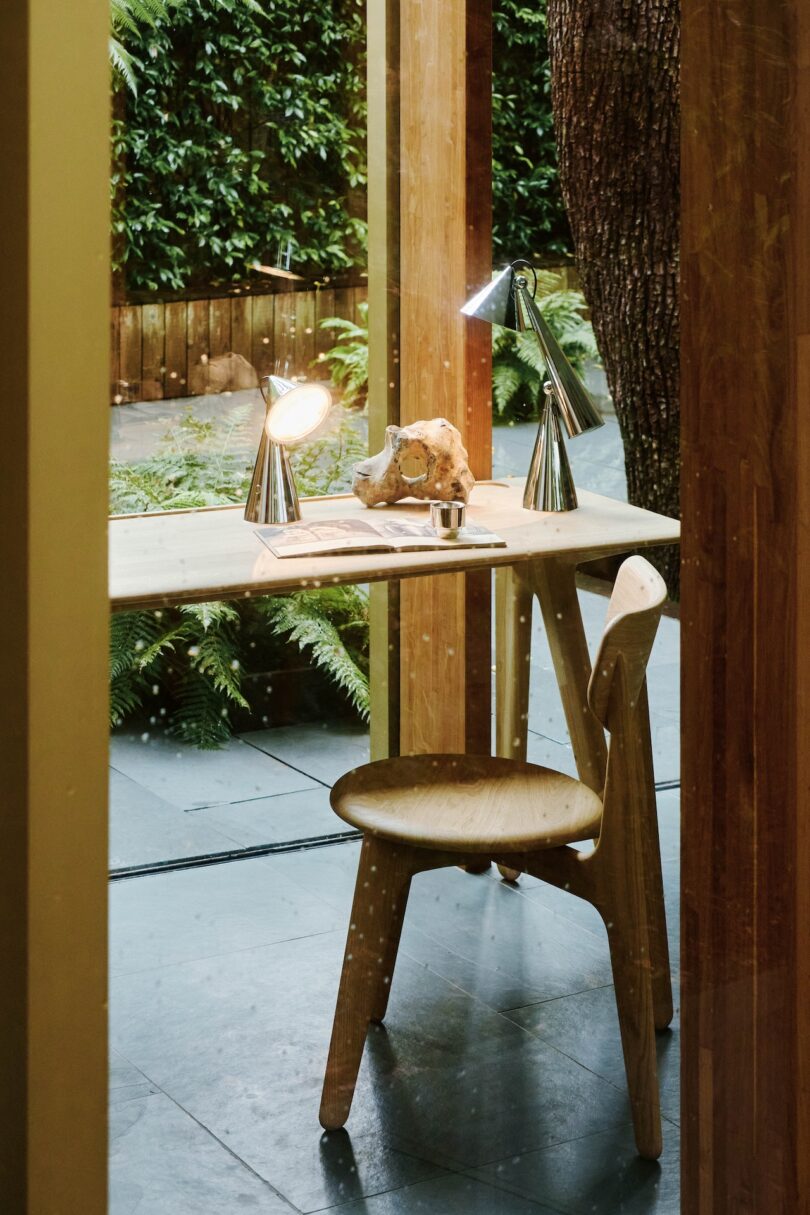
(615, 96)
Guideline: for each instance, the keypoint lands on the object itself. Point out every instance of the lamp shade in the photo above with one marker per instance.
(507, 301)
(294, 410)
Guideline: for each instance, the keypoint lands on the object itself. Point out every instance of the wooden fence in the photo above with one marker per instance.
(189, 347)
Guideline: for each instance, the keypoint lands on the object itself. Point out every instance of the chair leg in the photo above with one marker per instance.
(383, 879)
(651, 851)
(389, 961)
(629, 957)
(657, 929)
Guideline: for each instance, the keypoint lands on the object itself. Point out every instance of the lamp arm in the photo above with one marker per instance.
(577, 410)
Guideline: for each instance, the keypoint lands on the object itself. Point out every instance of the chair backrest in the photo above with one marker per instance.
(632, 622)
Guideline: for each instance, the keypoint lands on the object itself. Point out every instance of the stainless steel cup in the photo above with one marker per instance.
(447, 518)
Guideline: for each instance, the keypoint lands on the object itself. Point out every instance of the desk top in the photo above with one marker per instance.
(176, 557)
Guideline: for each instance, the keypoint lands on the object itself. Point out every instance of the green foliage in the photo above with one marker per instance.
(348, 359)
(184, 666)
(518, 368)
(528, 216)
(247, 130)
(128, 17)
(333, 625)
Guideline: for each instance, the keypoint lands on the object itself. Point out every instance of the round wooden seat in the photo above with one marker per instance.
(467, 803)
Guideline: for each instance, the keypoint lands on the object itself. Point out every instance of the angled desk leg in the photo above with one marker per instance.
(513, 654)
(554, 583)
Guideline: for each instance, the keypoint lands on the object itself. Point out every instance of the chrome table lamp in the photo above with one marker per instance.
(508, 301)
(293, 412)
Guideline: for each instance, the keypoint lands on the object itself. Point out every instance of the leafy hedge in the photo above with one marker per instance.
(247, 130)
(528, 215)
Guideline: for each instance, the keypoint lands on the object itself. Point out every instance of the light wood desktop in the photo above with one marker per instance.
(192, 556)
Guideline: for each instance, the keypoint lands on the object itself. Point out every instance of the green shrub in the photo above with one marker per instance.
(248, 130)
(529, 219)
(185, 666)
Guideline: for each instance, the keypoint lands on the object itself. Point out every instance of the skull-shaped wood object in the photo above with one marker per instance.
(424, 460)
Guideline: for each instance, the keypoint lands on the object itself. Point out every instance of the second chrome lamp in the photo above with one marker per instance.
(508, 301)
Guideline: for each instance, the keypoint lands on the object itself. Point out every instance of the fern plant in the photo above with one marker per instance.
(518, 368)
(184, 667)
(348, 358)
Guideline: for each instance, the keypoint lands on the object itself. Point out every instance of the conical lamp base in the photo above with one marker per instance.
(550, 485)
(273, 497)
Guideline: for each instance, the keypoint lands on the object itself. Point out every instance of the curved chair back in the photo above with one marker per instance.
(632, 622)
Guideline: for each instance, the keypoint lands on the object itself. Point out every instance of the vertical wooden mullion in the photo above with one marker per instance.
(445, 250)
(383, 325)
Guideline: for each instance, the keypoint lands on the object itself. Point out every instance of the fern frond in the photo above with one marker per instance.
(127, 692)
(300, 619)
(200, 717)
(123, 64)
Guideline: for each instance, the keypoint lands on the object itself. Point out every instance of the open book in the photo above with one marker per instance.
(315, 538)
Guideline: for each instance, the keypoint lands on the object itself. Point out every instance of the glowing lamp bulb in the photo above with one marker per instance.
(297, 413)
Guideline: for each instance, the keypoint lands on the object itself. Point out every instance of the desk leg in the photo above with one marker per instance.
(554, 583)
(513, 643)
(513, 646)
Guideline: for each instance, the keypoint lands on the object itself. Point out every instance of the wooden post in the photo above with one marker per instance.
(445, 253)
(54, 317)
(746, 607)
(383, 346)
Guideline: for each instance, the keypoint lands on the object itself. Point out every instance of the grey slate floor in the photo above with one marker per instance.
(497, 1086)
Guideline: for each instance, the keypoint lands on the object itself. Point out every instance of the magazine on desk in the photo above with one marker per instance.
(326, 536)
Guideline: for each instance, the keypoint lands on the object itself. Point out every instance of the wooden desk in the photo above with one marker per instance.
(176, 557)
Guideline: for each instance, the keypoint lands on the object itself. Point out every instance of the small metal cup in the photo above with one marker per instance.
(447, 518)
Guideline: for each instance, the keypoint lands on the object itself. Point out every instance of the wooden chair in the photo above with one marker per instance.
(426, 811)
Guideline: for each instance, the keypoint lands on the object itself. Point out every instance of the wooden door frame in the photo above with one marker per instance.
(745, 607)
(54, 317)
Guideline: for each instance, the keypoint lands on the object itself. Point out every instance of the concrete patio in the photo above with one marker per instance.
(497, 1086)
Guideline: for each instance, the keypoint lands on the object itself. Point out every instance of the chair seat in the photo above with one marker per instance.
(467, 803)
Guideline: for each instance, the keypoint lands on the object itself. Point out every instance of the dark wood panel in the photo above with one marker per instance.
(116, 396)
(219, 327)
(197, 334)
(305, 334)
(129, 347)
(242, 328)
(153, 341)
(263, 322)
(176, 354)
(324, 308)
(746, 781)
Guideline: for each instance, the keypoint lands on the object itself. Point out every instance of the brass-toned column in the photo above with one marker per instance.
(54, 318)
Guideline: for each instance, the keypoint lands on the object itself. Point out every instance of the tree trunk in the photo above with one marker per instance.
(615, 96)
